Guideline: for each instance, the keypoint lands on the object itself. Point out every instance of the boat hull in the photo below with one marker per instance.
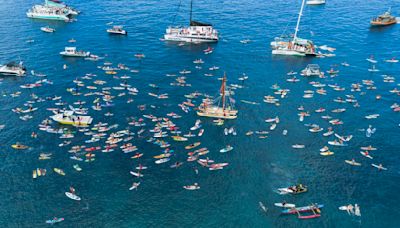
(189, 39)
(48, 17)
(220, 115)
(288, 52)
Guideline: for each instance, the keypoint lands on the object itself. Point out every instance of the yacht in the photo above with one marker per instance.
(72, 52)
(117, 30)
(294, 46)
(196, 32)
(49, 13)
(384, 19)
(12, 68)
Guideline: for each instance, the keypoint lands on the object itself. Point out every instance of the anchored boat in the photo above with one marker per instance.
(222, 107)
(295, 46)
(72, 52)
(197, 32)
(12, 68)
(69, 118)
(384, 19)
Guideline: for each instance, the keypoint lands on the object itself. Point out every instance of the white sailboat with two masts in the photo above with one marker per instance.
(222, 107)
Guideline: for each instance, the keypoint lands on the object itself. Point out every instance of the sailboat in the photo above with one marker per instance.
(295, 46)
(222, 107)
(197, 32)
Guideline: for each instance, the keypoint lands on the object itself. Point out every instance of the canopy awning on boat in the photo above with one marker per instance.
(196, 23)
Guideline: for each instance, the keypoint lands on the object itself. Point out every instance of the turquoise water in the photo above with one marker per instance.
(228, 197)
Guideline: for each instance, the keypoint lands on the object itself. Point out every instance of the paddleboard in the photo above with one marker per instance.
(72, 196)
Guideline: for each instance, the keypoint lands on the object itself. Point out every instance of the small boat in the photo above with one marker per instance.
(286, 205)
(298, 146)
(47, 29)
(136, 174)
(327, 153)
(59, 171)
(392, 60)
(72, 52)
(226, 149)
(135, 185)
(366, 154)
(384, 19)
(54, 220)
(195, 186)
(352, 162)
(302, 209)
(77, 168)
(380, 166)
(295, 189)
(72, 196)
(118, 30)
(19, 146)
(191, 146)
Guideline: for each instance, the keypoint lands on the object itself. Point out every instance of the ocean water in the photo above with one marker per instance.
(228, 197)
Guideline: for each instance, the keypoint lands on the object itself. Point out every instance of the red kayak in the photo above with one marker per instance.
(309, 216)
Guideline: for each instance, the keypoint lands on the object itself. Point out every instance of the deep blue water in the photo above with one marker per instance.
(229, 197)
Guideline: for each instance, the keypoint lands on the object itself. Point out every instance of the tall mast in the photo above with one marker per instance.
(298, 20)
(223, 91)
(191, 5)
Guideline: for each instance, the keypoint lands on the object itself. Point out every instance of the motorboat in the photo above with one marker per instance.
(315, 2)
(49, 13)
(72, 52)
(312, 70)
(47, 29)
(384, 19)
(12, 68)
(68, 118)
(118, 30)
(196, 32)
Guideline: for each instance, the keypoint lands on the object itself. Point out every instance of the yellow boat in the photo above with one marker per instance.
(179, 138)
(59, 171)
(19, 146)
(191, 146)
(225, 111)
(327, 153)
(34, 174)
(166, 155)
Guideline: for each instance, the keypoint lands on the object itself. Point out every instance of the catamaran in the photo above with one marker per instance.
(197, 32)
(49, 13)
(222, 107)
(295, 46)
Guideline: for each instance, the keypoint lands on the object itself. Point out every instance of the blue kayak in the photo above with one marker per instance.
(55, 220)
(302, 209)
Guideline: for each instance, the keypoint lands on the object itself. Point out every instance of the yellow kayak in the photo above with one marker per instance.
(191, 146)
(327, 153)
(162, 156)
(59, 171)
(34, 174)
(19, 146)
